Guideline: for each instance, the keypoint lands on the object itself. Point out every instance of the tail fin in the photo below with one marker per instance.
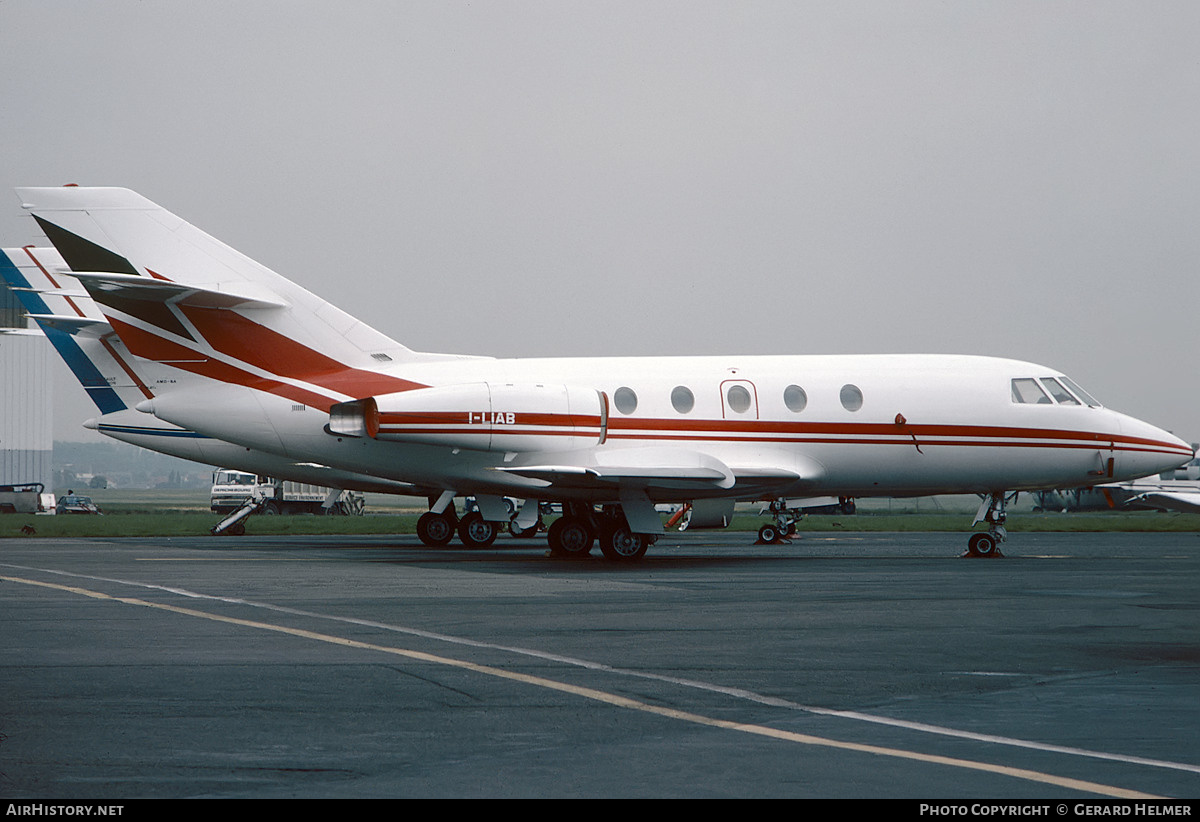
(73, 325)
(177, 295)
(116, 381)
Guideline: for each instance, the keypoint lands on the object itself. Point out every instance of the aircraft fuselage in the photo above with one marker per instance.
(884, 425)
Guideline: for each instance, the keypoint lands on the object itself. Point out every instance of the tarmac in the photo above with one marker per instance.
(841, 665)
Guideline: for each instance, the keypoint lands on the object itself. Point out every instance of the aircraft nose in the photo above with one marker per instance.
(1150, 450)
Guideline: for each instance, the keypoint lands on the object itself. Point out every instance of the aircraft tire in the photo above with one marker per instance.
(769, 533)
(435, 530)
(982, 545)
(475, 531)
(619, 544)
(570, 537)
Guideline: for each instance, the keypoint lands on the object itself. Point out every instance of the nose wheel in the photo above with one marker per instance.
(783, 527)
(983, 545)
(992, 511)
(774, 533)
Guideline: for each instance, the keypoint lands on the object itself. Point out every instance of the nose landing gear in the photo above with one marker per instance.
(783, 526)
(992, 511)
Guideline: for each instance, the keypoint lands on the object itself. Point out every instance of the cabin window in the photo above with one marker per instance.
(851, 397)
(1060, 394)
(1074, 388)
(625, 400)
(738, 398)
(1026, 391)
(682, 399)
(795, 398)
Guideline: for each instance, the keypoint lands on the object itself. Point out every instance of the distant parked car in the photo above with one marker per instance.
(74, 504)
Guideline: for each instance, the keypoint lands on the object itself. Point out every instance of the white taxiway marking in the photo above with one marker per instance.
(737, 693)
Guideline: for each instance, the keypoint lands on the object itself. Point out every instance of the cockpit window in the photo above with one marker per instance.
(1074, 388)
(1026, 390)
(1061, 395)
(1030, 391)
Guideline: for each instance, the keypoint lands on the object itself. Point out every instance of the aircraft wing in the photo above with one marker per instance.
(579, 476)
(1187, 502)
(657, 470)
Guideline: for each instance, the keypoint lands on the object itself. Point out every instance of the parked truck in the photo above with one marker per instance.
(232, 489)
(29, 498)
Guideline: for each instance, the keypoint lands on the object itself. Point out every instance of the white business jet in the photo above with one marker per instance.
(265, 364)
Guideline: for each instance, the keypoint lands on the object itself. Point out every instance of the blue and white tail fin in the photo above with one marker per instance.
(74, 325)
(178, 296)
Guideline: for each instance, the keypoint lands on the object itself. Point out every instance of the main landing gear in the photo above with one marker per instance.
(483, 521)
(992, 511)
(572, 534)
(475, 531)
(437, 528)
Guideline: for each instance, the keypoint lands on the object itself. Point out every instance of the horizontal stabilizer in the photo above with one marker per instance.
(51, 292)
(73, 325)
(132, 287)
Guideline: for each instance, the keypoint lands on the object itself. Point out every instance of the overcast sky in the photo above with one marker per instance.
(1017, 179)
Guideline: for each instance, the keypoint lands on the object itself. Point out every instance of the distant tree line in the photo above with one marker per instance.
(120, 465)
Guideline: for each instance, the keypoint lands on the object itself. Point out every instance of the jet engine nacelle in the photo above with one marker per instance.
(481, 416)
